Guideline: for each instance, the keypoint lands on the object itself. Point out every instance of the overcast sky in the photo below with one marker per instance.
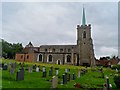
(55, 23)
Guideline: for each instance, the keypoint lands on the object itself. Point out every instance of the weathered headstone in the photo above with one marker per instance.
(20, 75)
(5, 67)
(64, 79)
(30, 69)
(66, 70)
(79, 74)
(50, 72)
(44, 74)
(74, 77)
(68, 79)
(37, 69)
(12, 70)
(107, 83)
(54, 82)
(43, 69)
(57, 72)
(116, 70)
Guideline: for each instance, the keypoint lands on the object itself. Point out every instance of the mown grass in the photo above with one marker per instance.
(35, 80)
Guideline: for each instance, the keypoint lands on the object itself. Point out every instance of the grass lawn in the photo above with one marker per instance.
(92, 79)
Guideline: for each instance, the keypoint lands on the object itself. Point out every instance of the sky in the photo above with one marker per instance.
(49, 23)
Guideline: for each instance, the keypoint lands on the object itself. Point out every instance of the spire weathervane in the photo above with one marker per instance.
(83, 17)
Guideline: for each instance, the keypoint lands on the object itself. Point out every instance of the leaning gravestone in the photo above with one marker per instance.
(54, 82)
(20, 75)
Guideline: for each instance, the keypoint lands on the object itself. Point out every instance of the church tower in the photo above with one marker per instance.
(84, 43)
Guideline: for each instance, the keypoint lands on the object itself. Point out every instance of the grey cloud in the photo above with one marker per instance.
(55, 23)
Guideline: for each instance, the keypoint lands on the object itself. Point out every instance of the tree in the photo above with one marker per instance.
(9, 50)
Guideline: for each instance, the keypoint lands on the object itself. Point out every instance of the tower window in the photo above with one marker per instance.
(45, 50)
(68, 58)
(84, 34)
(69, 50)
(40, 57)
(21, 56)
(50, 58)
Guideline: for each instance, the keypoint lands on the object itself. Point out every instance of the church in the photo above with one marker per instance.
(80, 54)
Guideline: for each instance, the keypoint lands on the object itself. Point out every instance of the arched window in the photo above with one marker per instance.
(45, 50)
(68, 58)
(69, 50)
(27, 56)
(84, 34)
(50, 58)
(40, 57)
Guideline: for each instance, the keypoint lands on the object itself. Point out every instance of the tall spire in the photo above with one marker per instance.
(83, 18)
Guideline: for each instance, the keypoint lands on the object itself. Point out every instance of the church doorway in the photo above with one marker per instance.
(58, 62)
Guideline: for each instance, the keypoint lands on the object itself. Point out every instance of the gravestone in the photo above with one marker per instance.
(79, 74)
(5, 67)
(20, 75)
(68, 79)
(107, 83)
(26, 67)
(74, 76)
(43, 69)
(116, 70)
(37, 69)
(30, 69)
(50, 72)
(12, 70)
(0, 66)
(57, 72)
(51, 68)
(54, 82)
(14, 65)
(44, 74)
(64, 79)
(66, 70)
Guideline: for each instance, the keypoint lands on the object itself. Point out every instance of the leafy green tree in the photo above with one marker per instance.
(9, 50)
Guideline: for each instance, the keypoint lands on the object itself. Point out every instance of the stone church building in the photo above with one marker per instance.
(80, 54)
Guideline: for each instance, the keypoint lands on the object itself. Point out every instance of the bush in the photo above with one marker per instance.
(117, 81)
(116, 66)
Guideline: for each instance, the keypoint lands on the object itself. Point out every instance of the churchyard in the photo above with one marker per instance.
(41, 75)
